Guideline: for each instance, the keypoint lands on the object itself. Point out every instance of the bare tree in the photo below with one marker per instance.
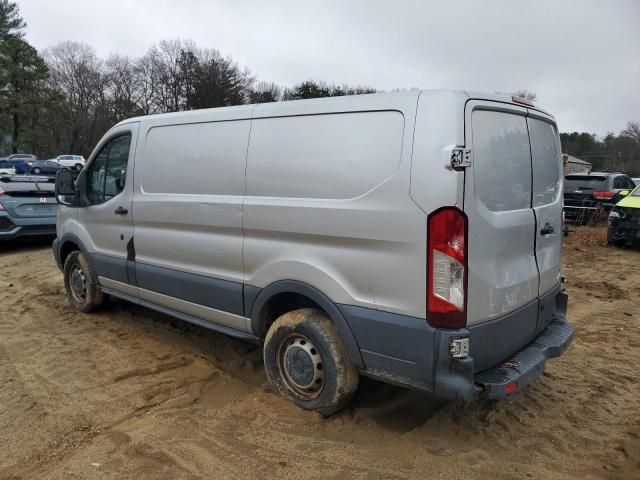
(264, 92)
(146, 70)
(77, 75)
(632, 131)
(124, 91)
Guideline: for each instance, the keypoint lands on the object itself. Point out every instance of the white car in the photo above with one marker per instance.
(7, 171)
(73, 161)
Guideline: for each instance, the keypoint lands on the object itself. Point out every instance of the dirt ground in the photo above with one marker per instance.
(129, 393)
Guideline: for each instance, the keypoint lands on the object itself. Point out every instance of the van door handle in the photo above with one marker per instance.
(547, 230)
(121, 211)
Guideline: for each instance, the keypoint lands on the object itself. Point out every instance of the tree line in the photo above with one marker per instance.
(63, 99)
(612, 153)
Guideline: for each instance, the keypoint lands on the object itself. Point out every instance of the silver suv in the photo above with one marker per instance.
(410, 237)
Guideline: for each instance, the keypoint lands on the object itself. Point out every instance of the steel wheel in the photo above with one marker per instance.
(301, 366)
(78, 284)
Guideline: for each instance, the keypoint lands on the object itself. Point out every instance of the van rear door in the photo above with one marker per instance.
(546, 199)
(503, 275)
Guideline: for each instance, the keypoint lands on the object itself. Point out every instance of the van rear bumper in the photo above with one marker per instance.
(526, 365)
(407, 351)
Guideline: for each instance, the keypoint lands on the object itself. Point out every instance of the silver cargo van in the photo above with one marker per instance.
(411, 237)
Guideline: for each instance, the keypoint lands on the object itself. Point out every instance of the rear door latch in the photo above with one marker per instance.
(460, 158)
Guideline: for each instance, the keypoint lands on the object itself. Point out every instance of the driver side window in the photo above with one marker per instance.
(108, 172)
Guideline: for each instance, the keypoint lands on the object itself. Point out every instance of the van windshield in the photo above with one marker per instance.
(585, 182)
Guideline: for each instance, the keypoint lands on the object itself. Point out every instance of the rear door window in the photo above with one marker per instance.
(585, 182)
(546, 162)
(502, 159)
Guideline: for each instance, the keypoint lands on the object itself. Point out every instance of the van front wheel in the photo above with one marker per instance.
(307, 362)
(81, 283)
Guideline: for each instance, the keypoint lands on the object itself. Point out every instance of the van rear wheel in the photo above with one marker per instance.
(307, 362)
(81, 283)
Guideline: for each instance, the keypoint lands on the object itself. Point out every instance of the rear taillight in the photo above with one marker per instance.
(603, 195)
(447, 268)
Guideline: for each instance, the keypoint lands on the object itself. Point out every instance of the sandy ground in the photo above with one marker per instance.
(128, 393)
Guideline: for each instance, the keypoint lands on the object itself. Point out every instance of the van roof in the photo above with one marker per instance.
(359, 99)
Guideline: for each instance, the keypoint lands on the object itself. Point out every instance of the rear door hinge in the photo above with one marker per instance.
(460, 158)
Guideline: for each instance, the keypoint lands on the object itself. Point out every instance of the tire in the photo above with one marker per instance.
(614, 241)
(85, 296)
(37, 171)
(307, 362)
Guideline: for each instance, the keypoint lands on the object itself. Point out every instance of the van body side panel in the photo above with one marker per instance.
(439, 128)
(187, 211)
(327, 203)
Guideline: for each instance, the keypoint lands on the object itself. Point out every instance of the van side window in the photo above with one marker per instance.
(107, 175)
(546, 162)
(502, 160)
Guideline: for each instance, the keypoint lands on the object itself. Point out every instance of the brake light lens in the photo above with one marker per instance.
(603, 195)
(447, 268)
(522, 100)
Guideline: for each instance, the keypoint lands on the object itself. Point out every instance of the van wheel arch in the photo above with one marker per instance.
(66, 248)
(287, 295)
(70, 243)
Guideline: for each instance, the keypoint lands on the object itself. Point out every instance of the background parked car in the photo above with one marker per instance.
(22, 156)
(46, 166)
(72, 161)
(7, 170)
(27, 206)
(20, 166)
(589, 197)
(624, 219)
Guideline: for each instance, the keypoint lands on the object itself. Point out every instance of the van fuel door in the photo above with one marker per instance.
(460, 158)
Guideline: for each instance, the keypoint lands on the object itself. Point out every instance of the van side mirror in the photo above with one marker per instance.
(624, 193)
(65, 187)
